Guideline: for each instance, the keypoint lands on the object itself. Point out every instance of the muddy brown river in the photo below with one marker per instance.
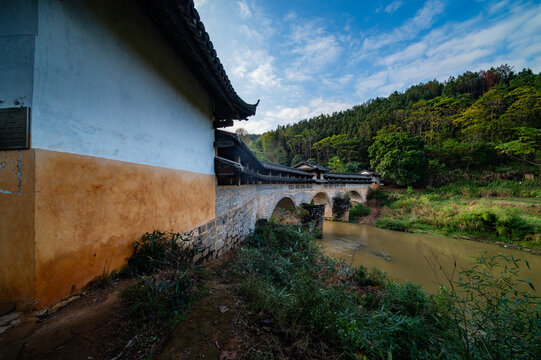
(404, 256)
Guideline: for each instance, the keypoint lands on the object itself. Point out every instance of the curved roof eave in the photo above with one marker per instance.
(179, 22)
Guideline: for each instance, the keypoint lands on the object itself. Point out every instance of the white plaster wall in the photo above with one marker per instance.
(18, 26)
(106, 84)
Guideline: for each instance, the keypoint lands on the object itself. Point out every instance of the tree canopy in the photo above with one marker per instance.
(477, 122)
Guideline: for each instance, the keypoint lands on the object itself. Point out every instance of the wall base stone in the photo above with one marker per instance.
(221, 234)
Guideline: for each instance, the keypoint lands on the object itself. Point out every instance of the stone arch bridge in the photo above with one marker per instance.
(267, 198)
(238, 208)
(248, 190)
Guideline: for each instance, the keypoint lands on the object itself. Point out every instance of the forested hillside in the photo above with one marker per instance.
(485, 123)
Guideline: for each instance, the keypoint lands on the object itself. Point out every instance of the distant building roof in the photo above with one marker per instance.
(235, 158)
(333, 175)
(313, 166)
(179, 22)
(276, 167)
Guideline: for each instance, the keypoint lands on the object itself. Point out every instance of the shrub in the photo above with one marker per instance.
(381, 196)
(392, 224)
(340, 205)
(324, 307)
(492, 312)
(160, 298)
(370, 278)
(505, 222)
(358, 211)
(406, 204)
(497, 188)
(157, 251)
(431, 197)
(165, 290)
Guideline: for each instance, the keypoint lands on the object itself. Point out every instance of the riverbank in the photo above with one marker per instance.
(279, 297)
(507, 213)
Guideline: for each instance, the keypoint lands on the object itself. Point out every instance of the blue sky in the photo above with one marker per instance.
(303, 58)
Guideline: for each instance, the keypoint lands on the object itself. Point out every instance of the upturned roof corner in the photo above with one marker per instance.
(180, 24)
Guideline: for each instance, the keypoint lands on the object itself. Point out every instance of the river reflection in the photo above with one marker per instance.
(403, 255)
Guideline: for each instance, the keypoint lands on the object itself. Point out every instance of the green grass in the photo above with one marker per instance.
(322, 308)
(358, 211)
(498, 188)
(503, 211)
(166, 288)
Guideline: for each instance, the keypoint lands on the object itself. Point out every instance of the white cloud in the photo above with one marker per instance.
(290, 16)
(338, 83)
(455, 48)
(250, 33)
(257, 67)
(244, 9)
(494, 8)
(313, 48)
(423, 19)
(392, 7)
(414, 51)
(287, 115)
(199, 3)
(318, 51)
(301, 67)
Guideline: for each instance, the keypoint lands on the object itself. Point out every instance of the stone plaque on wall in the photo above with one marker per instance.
(14, 128)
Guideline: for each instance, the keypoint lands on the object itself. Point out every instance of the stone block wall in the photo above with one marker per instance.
(218, 236)
(237, 209)
(314, 218)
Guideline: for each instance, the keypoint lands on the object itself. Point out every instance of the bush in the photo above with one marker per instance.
(157, 251)
(358, 211)
(382, 197)
(322, 308)
(370, 278)
(166, 288)
(497, 188)
(506, 223)
(340, 205)
(494, 314)
(431, 197)
(392, 224)
(160, 298)
(406, 204)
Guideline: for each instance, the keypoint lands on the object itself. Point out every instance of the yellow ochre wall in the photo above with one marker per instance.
(86, 214)
(17, 266)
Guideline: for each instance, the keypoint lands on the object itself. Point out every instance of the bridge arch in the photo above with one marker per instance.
(355, 197)
(284, 210)
(322, 198)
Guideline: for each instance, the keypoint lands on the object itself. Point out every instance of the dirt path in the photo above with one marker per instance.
(220, 326)
(210, 330)
(91, 327)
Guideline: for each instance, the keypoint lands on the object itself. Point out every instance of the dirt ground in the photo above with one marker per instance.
(93, 326)
(375, 213)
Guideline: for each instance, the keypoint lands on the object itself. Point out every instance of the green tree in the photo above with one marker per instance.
(296, 159)
(335, 164)
(526, 148)
(400, 157)
(480, 121)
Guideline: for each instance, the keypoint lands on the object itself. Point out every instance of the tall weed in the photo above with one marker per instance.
(322, 308)
(504, 222)
(358, 211)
